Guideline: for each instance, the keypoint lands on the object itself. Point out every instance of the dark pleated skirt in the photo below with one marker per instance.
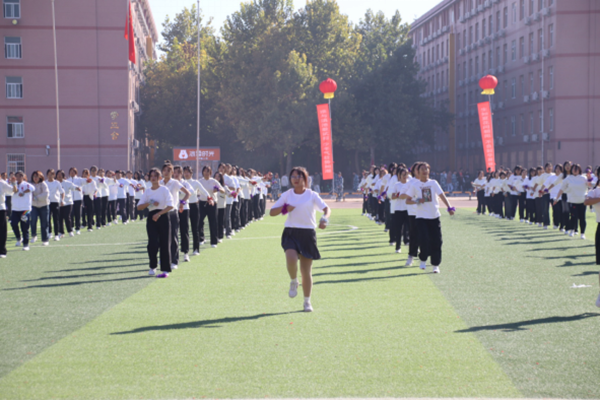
(304, 241)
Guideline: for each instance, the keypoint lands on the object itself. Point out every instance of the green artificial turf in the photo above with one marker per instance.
(500, 321)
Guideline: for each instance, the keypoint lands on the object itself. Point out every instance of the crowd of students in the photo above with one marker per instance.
(406, 202)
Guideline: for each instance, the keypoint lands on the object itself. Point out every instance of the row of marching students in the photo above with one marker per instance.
(561, 188)
(61, 204)
(230, 199)
(406, 201)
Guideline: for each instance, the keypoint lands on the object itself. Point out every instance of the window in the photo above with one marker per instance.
(490, 26)
(531, 48)
(14, 87)
(442, 50)
(531, 123)
(458, 71)
(522, 10)
(514, 12)
(470, 35)
(490, 58)
(477, 66)
(15, 127)
(540, 5)
(551, 76)
(540, 39)
(513, 50)
(483, 31)
(551, 35)
(477, 32)
(523, 125)
(15, 162)
(12, 47)
(541, 118)
(513, 126)
(531, 7)
(458, 46)
(465, 70)
(498, 56)
(465, 38)
(498, 21)
(505, 53)
(483, 63)
(505, 17)
(505, 89)
(514, 88)
(521, 47)
(12, 9)
(471, 67)
(522, 84)
(551, 119)
(531, 83)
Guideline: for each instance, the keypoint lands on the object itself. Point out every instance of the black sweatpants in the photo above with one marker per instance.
(65, 219)
(514, 202)
(235, 215)
(522, 202)
(539, 210)
(194, 220)
(159, 238)
(4, 232)
(530, 203)
(89, 211)
(104, 213)
(557, 214)
(546, 209)
(54, 218)
(76, 214)
(174, 217)
(597, 244)
(220, 222)
(413, 243)
(123, 209)
(112, 211)
(227, 219)
(578, 215)
(243, 213)
(256, 207)
(399, 219)
(430, 240)
(210, 212)
(184, 230)
(98, 211)
(389, 215)
(130, 212)
(365, 204)
(481, 202)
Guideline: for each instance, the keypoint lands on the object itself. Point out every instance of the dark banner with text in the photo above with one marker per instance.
(326, 140)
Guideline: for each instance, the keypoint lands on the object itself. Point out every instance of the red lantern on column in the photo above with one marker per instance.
(488, 83)
(328, 87)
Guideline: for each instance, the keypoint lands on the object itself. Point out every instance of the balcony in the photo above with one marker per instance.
(545, 94)
(487, 4)
(488, 39)
(461, 83)
(480, 8)
(461, 52)
(526, 138)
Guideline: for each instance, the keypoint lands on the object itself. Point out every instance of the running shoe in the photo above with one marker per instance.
(202, 242)
(186, 258)
(583, 236)
(79, 232)
(293, 289)
(196, 253)
(307, 306)
(214, 246)
(2, 255)
(173, 266)
(409, 261)
(71, 234)
(34, 239)
(571, 234)
(436, 270)
(399, 251)
(18, 243)
(45, 244)
(392, 243)
(90, 230)
(25, 248)
(152, 272)
(56, 238)
(229, 237)
(163, 275)
(598, 301)
(423, 265)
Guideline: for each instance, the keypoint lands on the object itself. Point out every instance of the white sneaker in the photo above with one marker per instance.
(116, 221)
(79, 232)
(546, 227)
(214, 246)
(34, 239)
(152, 272)
(220, 241)
(108, 224)
(186, 258)
(399, 251)
(436, 270)
(583, 236)
(293, 289)
(173, 266)
(99, 228)
(409, 261)
(26, 248)
(90, 230)
(555, 227)
(196, 253)
(18, 243)
(307, 306)
(233, 233)
(571, 234)
(71, 234)
(566, 232)
(229, 237)
(45, 244)
(56, 238)
(423, 265)
(201, 243)
(2, 255)
(598, 301)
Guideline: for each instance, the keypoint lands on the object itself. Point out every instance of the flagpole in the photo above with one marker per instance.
(56, 84)
(198, 116)
(128, 89)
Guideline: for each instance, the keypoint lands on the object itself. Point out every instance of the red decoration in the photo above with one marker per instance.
(328, 87)
(129, 36)
(488, 83)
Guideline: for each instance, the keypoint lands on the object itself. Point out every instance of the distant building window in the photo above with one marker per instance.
(514, 88)
(551, 76)
(513, 126)
(505, 17)
(522, 83)
(531, 7)
(490, 26)
(541, 78)
(513, 50)
(531, 83)
(14, 87)
(505, 53)
(521, 47)
(12, 8)
(15, 128)
(522, 10)
(483, 31)
(551, 35)
(531, 43)
(483, 63)
(523, 127)
(15, 162)
(514, 12)
(498, 21)
(541, 117)
(551, 119)
(531, 123)
(12, 47)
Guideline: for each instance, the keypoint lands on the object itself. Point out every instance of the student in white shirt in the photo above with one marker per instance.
(77, 198)
(425, 195)
(21, 209)
(100, 186)
(208, 206)
(398, 206)
(575, 186)
(131, 196)
(514, 195)
(103, 184)
(184, 213)
(221, 206)
(529, 197)
(56, 196)
(113, 189)
(8, 197)
(552, 185)
(235, 207)
(479, 186)
(174, 187)
(159, 201)
(122, 190)
(230, 185)
(299, 239)
(193, 201)
(5, 188)
(138, 191)
(413, 233)
(243, 196)
(89, 190)
(593, 199)
(65, 210)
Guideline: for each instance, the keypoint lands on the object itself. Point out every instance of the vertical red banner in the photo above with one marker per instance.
(326, 141)
(487, 134)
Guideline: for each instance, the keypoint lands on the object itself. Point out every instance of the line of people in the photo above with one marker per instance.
(406, 202)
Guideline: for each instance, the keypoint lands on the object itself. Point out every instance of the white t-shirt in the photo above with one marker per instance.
(189, 187)
(162, 195)
(5, 189)
(209, 185)
(77, 181)
(575, 186)
(306, 205)
(594, 194)
(113, 189)
(131, 187)
(230, 183)
(101, 185)
(89, 188)
(479, 184)
(68, 188)
(399, 189)
(55, 189)
(122, 185)
(411, 208)
(22, 203)
(174, 187)
(429, 191)
(555, 180)
(140, 187)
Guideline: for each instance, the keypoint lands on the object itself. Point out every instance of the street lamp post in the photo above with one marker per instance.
(56, 84)
(198, 110)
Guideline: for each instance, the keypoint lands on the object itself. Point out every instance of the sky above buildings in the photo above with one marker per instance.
(355, 9)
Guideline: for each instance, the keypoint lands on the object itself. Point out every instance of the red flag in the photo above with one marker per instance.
(487, 135)
(129, 35)
(326, 145)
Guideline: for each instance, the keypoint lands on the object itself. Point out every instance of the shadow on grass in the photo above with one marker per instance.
(362, 271)
(130, 271)
(354, 264)
(142, 262)
(520, 326)
(105, 261)
(587, 273)
(371, 279)
(208, 323)
(77, 283)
